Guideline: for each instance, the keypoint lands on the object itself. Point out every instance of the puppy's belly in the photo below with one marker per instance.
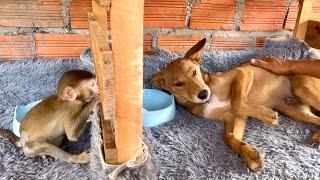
(213, 105)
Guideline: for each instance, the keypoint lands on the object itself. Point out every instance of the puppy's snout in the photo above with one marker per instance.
(203, 94)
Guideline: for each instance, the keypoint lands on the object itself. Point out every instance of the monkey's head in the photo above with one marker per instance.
(77, 85)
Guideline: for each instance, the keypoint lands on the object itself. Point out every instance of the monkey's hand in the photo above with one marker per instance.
(72, 138)
(95, 100)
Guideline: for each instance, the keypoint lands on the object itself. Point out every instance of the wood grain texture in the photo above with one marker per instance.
(313, 34)
(104, 66)
(315, 10)
(301, 25)
(127, 46)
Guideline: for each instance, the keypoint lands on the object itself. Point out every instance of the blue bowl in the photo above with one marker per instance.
(19, 113)
(158, 107)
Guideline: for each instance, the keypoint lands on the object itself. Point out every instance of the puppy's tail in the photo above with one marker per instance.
(11, 137)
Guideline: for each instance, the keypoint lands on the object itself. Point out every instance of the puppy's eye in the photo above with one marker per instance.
(194, 72)
(179, 84)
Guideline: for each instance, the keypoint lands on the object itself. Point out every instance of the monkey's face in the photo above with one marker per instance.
(87, 90)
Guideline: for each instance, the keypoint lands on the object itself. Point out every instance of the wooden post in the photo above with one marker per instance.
(119, 75)
(127, 46)
(103, 61)
(305, 10)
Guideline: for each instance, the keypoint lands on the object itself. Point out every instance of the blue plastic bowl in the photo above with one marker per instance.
(19, 113)
(158, 107)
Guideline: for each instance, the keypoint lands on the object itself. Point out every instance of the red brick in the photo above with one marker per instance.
(147, 44)
(218, 14)
(164, 13)
(263, 15)
(31, 13)
(231, 43)
(61, 46)
(79, 14)
(178, 43)
(316, 10)
(292, 15)
(15, 47)
(260, 42)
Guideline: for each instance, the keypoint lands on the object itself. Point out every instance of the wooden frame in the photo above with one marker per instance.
(305, 29)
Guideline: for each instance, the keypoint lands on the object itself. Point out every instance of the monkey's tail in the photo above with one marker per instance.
(11, 137)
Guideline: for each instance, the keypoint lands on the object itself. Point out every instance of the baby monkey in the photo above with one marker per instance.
(63, 114)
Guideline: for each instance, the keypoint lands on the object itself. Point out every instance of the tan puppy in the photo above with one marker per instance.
(234, 95)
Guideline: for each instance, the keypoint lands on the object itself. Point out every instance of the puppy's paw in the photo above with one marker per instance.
(252, 157)
(316, 138)
(272, 119)
(275, 117)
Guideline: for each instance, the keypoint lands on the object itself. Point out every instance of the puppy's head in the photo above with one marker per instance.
(182, 77)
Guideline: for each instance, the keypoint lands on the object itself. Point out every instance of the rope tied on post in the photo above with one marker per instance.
(139, 158)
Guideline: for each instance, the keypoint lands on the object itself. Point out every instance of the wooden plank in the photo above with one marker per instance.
(103, 61)
(313, 34)
(305, 10)
(127, 46)
(103, 3)
(100, 15)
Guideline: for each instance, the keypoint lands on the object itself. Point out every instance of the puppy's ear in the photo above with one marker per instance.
(157, 80)
(195, 52)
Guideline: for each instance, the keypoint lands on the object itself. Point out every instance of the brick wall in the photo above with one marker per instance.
(59, 28)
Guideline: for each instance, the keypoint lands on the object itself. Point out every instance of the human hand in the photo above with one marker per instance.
(275, 65)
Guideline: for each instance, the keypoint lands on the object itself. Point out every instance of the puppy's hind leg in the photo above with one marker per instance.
(301, 112)
(43, 148)
(306, 89)
(234, 129)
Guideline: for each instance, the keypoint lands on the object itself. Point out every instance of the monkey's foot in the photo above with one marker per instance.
(82, 158)
(47, 157)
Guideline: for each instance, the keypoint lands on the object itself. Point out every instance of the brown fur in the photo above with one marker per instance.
(64, 114)
(235, 95)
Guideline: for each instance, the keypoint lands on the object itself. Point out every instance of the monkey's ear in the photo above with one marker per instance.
(69, 94)
(157, 80)
(195, 52)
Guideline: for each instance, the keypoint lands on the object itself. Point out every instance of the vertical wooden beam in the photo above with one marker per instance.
(104, 67)
(304, 14)
(127, 46)
(100, 14)
(105, 3)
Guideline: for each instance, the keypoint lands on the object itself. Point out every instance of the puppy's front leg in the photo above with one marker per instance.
(240, 89)
(234, 129)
